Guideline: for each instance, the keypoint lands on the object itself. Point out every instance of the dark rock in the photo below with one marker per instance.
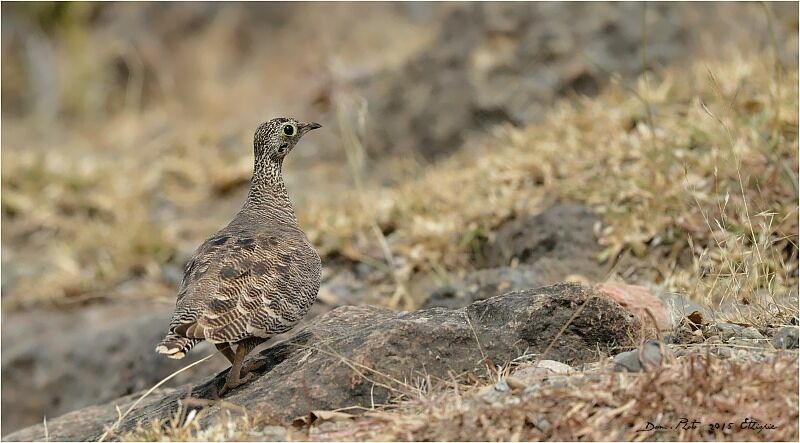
(483, 284)
(563, 233)
(786, 338)
(729, 331)
(550, 247)
(58, 361)
(508, 62)
(353, 356)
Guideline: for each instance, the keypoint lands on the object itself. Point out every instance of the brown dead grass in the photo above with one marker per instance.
(613, 407)
(698, 196)
(107, 192)
(594, 406)
(695, 174)
(694, 171)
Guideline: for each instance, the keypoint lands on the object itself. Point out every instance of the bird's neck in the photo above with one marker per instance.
(268, 199)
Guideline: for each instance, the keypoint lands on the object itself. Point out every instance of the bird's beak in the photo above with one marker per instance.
(310, 126)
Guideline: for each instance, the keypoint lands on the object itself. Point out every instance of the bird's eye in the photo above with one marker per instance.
(289, 130)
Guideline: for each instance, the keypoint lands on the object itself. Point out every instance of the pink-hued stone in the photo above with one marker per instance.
(638, 299)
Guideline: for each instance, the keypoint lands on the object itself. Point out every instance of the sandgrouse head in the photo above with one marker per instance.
(276, 138)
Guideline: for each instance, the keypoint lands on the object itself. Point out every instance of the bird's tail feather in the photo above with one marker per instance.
(176, 346)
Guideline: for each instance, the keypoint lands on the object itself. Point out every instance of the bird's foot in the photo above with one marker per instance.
(234, 382)
(253, 365)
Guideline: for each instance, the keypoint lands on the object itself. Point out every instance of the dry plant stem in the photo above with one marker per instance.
(731, 146)
(475, 334)
(149, 391)
(355, 367)
(355, 153)
(777, 61)
(561, 331)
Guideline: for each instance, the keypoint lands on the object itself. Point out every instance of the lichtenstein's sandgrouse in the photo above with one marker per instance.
(255, 278)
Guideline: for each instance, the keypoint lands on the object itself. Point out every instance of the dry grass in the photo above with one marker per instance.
(704, 204)
(607, 406)
(143, 148)
(703, 200)
(695, 172)
(589, 406)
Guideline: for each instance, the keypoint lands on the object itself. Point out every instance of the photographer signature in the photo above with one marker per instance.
(684, 424)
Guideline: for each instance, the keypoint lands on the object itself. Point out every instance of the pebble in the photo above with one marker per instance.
(502, 386)
(543, 369)
(514, 383)
(638, 360)
(751, 333)
(728, 331)
(542, 423)
(627, 361)
(722, 352)
(786, 338)
(714, 339)
(671, 339)
(651, 353)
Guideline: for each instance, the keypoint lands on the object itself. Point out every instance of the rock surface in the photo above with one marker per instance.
(49, 367)
(356, 356)
(650, 355)
(563, 233)
(787, 337)
(639, 300)
(57, 361)
(555, 245)
(483, 284)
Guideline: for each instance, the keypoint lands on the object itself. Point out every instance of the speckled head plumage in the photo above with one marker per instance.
(275, 138)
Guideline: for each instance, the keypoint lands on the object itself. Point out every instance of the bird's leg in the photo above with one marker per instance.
(234, 377)
(232, 380)
(250, 344)
(225, 349)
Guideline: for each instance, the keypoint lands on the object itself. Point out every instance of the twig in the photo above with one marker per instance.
(480, 348)
(149, 391)
(46, 431)
(563, 328)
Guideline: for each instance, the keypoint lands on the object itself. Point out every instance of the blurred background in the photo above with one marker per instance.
(127, 140)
